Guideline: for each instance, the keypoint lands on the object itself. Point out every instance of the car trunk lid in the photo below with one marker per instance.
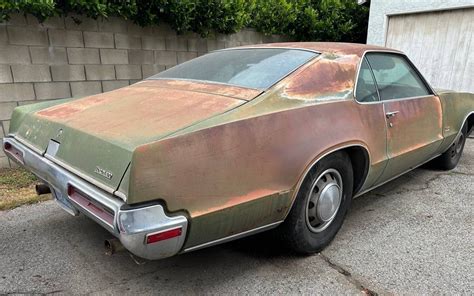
(98, 134)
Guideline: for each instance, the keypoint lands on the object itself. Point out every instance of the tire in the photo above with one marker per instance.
(450, 158)
(304, 230)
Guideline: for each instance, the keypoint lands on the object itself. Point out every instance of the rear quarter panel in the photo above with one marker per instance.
(457, 106)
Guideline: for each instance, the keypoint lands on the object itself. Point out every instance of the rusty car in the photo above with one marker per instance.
(239, 141)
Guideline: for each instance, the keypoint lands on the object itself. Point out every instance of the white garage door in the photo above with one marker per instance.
(441, 45)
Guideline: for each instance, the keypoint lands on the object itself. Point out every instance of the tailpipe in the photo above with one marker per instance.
(113, 246)
(42, 189)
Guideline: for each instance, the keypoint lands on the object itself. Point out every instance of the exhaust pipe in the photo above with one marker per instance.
(42, 189)
(113, 246)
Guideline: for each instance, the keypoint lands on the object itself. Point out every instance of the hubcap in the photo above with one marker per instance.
(324, 200)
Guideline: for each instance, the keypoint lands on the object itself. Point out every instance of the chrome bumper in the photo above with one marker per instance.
(138, 228)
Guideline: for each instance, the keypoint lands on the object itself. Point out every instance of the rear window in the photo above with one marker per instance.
(253, 68)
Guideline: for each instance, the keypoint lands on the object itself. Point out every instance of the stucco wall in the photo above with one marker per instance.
(379, 9)
(61, 59)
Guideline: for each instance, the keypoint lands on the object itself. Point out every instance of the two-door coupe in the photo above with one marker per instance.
(240, 141)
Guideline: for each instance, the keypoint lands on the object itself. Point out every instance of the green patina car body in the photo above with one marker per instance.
(231, 158)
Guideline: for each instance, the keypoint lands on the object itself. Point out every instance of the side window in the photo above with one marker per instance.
(395, 77)
(366, 90)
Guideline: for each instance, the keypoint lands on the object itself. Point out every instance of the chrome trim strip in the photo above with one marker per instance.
(395, 177)
(314, 162)
(234, 237)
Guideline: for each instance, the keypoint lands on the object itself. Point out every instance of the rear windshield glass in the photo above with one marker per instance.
(253, 68)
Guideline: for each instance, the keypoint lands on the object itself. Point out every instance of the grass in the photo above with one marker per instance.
(17, 188)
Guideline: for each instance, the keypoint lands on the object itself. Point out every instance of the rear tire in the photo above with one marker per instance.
(320, 206)
(450, 159)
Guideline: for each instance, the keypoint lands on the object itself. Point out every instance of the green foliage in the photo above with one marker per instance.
(330, 20)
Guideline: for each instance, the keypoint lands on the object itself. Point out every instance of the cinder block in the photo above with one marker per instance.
(185, 56)
(134, 29)
(11, 92)
(6, 126)
(163, 30)
(166, 58)
(17, 19)
(14, 55)
(114, 56)
(54, 22)
(6, 110)
(52, 90)
(127, 41)
(5, 74)
(176, 44)
(83, 56)
(215, 44)
(138, 56)
(68, 72)
(100, 72)
(27, 36)
(150, 70)
(81, 23)
(113, 24)
(3, 36)
(128, 71)
(197, 44)
(114, 84)
(48, 55)
(31, 73)
(154, 43)
(82, 89)
(229, 44)
(22, 103)
(65, 38)
(99, 39)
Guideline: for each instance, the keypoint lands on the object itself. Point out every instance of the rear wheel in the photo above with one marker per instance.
(450, 159)
(320, 206)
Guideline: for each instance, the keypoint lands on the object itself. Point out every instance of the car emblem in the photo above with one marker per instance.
(103, 173)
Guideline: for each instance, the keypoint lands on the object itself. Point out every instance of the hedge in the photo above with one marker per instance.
(316, 20)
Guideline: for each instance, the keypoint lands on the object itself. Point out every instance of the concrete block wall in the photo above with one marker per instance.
(62, 58)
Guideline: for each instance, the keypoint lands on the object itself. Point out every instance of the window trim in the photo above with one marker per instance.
(403, 55)
(373, 78)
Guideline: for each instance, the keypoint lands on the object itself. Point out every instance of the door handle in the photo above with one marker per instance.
(391, 114)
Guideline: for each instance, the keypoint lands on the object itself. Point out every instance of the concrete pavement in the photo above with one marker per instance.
(410, 236)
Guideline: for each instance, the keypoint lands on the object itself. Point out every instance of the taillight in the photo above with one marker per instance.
(163, 235)
(12, 151)
(84, 201)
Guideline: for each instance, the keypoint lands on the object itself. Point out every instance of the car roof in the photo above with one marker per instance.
(325, 47)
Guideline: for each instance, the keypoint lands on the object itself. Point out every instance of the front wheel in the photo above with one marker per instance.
(320, 206)
(450, 159)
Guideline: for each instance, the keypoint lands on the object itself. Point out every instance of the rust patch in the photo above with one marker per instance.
(327, 76)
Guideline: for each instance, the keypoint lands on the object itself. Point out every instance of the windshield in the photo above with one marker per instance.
(254, 68)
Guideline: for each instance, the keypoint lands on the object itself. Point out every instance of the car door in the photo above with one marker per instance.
(413, 112)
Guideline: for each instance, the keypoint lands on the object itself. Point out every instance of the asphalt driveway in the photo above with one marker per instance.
(414, 235)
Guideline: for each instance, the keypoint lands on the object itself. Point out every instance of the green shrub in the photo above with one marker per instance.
(331, 20)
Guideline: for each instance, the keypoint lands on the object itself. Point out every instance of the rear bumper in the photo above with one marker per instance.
(131, 225)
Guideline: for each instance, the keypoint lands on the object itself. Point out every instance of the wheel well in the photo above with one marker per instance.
(470, 123)
(360, 165)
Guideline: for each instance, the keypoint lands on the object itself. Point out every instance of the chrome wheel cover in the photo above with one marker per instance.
(324, 200)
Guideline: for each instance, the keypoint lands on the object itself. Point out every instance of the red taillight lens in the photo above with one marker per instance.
(164, 235)
(95, 208)
(7, 146)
